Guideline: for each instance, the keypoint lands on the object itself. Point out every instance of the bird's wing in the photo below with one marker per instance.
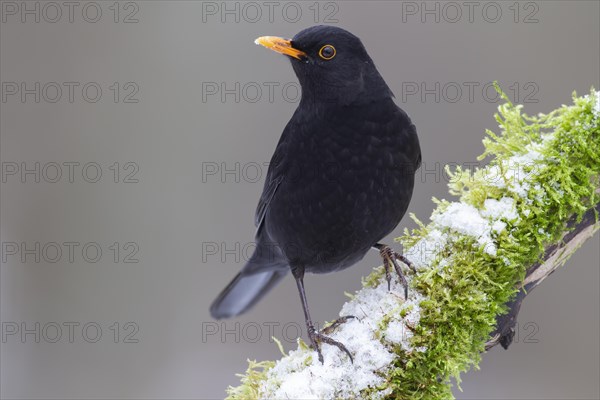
(263, 204)
(275, 174)
(412, 148)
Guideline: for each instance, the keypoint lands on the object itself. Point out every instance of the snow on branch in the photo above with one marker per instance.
(516, 221)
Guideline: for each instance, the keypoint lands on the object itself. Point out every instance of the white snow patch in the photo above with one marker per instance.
(499, 226)
(424, 252)
(396, 332)
(466, 219)
(294, 378)
(504, 208)
(596, 105)
(399, 331)
(519, 167)
(462, 218)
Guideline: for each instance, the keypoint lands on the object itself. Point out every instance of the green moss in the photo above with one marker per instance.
(464, 301)
(465, 293)
(374, 278)
(255, 374)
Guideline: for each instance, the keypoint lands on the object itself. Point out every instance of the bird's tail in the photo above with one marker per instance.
(243, 292)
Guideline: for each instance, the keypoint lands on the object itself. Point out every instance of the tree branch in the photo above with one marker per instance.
(555, 256)
(517, 220)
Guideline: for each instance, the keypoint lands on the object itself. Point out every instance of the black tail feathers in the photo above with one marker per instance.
(243, 292)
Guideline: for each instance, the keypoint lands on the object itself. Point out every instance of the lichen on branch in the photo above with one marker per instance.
(471, 259)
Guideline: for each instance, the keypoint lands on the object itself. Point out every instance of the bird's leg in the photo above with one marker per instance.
(389, 258)
(315, 337)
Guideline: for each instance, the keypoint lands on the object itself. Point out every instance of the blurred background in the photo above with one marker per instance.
(135, 138)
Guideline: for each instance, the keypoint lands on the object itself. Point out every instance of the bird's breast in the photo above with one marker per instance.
(344, 189)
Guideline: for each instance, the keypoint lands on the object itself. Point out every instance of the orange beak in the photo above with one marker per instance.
(280, 45)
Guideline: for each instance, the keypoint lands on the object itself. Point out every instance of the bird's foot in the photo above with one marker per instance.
(331, 327)
(390, 258)
(316, 338)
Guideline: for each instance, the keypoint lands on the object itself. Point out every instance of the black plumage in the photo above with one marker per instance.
(341, 177)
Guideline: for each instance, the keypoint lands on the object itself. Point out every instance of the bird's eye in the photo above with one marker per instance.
(327, 52)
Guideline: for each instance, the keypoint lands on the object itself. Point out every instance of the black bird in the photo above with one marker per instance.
(341, 177)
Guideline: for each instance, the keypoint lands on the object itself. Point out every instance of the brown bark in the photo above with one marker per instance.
(555, 256)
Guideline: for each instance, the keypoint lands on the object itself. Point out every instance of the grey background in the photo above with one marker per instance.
(172, 133)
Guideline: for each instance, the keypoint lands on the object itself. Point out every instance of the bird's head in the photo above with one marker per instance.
(331, 64)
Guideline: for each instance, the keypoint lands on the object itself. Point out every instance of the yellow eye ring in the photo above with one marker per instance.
(327, 52)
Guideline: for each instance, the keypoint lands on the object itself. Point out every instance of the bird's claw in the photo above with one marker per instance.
(331, 327)
(389, 257)
(316, 338)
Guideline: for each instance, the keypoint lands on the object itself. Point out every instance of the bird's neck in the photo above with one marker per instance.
(367, 87)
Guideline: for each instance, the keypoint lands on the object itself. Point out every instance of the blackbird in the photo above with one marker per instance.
(341, 177)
